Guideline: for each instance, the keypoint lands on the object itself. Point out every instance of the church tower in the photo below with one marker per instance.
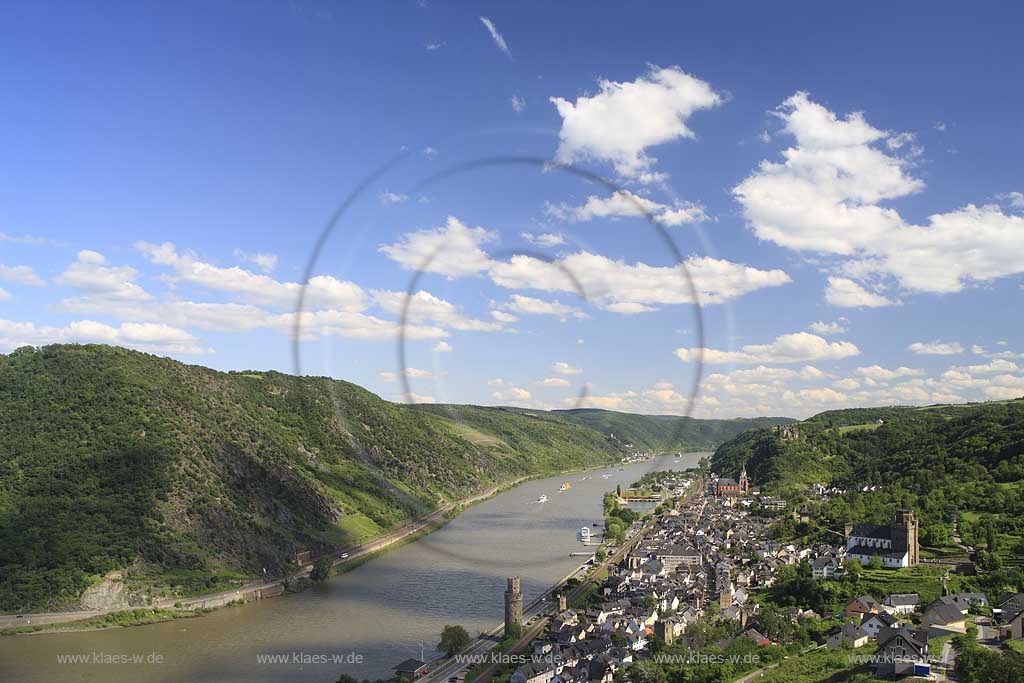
(744, 482)
(513, 606)
(904, 535)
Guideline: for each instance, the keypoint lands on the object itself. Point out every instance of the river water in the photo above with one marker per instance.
(362, 622)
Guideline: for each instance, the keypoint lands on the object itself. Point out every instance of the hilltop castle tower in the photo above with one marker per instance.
(513, 605)
(904, 535)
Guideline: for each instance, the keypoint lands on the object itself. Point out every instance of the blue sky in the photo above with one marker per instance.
(844, 186)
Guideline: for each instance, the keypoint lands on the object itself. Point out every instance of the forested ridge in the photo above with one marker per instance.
(189, 478)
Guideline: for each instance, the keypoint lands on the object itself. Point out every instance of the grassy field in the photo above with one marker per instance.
(822, 664)
(353, 528)
(941, 551)
(866, 427)
(925, 581)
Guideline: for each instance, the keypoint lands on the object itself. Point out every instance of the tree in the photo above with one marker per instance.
(853, 569)
(600, 554)
(618, 489)
(935, 535)
(345, 678)
(991, 537)
(322, 569)
(453, 639)
(876, 562)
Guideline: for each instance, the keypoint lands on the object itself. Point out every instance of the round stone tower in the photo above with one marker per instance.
(513, 606)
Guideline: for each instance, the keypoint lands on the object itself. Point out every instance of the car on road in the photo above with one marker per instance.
(344, 556)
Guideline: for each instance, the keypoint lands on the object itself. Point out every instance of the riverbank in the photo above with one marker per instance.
(345, 559)
(367, 619)
(121, 619)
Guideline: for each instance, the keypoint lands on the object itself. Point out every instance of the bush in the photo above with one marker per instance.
(322, 569)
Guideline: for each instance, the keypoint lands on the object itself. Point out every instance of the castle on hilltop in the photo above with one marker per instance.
(788, 431)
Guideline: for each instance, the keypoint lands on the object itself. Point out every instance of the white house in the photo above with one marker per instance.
(901, 603)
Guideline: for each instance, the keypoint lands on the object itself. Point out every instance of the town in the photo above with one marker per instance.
(698, 585)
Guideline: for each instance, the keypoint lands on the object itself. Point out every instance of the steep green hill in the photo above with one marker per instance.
(959, 467)
(663, 432)
(113, 459)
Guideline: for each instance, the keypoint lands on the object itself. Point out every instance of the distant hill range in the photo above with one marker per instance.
(656, 433)
(185, 478)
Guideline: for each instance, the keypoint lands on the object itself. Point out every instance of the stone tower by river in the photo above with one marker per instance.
(513, 606)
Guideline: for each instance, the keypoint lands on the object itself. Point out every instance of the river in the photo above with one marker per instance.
(362, 622)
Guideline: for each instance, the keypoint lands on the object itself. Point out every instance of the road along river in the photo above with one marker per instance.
(362, 622)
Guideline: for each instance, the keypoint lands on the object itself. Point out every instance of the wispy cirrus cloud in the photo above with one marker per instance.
(499, 40)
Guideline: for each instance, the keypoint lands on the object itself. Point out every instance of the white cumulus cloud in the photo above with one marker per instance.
(624, 203)
(788, 348)
(563, 368)
(92, 273)
(21, 275)
(149, 337)
(527, 305)
(936, 348)
(846, 293)
(822, 327)
(827, 196)
(453, 249)
(623, 119)
(546, 239)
